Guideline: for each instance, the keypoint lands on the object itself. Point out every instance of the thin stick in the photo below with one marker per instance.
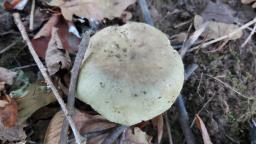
(225, 36)
(115, 134)
(9, 47)
(144, 8)
(23, 67)
(73, 82)
(249, 37)
(46, 76)
(192, 39)
(32, 13)
(228, 86)
(184, 121)
(168, 127)
(202, 108)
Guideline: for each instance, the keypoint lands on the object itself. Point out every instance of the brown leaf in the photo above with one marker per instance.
(217, 29)
(56, 57)
(158, 122)
(219, 12)
(2, 86)
(135, 137)
(7, 76)
(46, 30)
(8, 113)
(85, 123)
(36, 96)
(15, 133)
(97, 9)
(52, 135)
(200, 125)
(69, 40)
(253, 2)
(10, 5)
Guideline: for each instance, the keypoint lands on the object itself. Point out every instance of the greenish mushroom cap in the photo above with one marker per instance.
(130, 73)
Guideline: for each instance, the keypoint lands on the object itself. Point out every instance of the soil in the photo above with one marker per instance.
(222, 103)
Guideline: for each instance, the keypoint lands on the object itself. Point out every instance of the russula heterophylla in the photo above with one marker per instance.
(130, 73)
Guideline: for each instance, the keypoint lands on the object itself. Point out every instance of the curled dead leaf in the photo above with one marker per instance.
(14, 4)
(32, 98)
(9, 112)
(95, 127)
(217, 29)
(158, 122)
(56, 56)
(2, 86)
(253, 2)
(136, 136)
(46, 30)
(7, 76)
(69, 41)
(200, 125)
(92, 9)
(52, 135)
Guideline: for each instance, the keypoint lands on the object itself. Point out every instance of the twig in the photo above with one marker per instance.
(168, 127)
(228, 86)
(198, 113)
(253, 132)
(73, 82)
(145, 11)
(184, 121)
(32, 13)
(46, 76)
(9, 47)
(225, 36)
(192, 39)
(23, 67)
(115, 134)
(249, 37)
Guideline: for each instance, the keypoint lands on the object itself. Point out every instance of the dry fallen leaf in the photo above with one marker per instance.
(92, 9)
(69, 40)
(86, 124)
(15, 133)
(7, 76)
(200, 125)
(14, 4)
(52, 135)
(56, 57)
(2, 86)
(34, 97)
(46, 30)
(158, 122)
(219, 12)
(217, 29)
(9, 112)
(253, 2)
(136, 136)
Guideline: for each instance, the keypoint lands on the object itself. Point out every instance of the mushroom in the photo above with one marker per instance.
(130, 73)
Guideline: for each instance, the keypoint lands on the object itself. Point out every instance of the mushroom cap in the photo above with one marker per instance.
(130, 73)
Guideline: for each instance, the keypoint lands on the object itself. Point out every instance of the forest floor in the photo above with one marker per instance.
(222, 90)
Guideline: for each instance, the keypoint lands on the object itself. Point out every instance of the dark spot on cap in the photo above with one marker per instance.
(118, 56)
(133, 55)
(102, 85)
(159, 97)
(125, 50)
(144, 92)
(135, 95)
